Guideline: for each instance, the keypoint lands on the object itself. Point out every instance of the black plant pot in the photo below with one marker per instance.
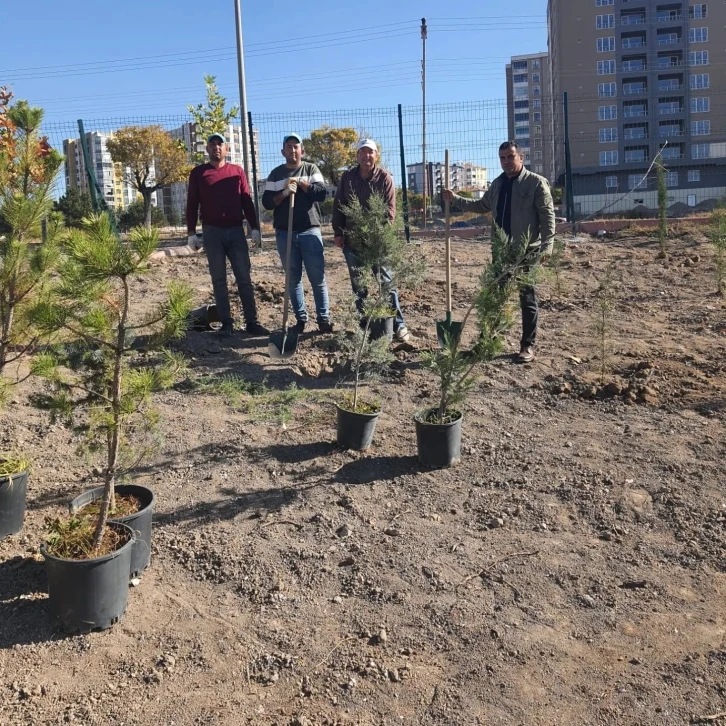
(200, 318)
(381, 328)
(12, 503)
(355, 430)
(139, 521)
(86, 595)
(439, 445)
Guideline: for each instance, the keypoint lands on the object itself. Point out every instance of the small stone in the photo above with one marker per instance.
(347, 562)
(337, 600)
(495, 523)
(274, 678)
(343, 531)
(587, 600)
(135, 582)
(391, 532)
(394, 675)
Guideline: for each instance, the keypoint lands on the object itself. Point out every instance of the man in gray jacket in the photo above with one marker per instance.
(521, 204)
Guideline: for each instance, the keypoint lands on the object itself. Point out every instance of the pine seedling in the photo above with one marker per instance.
(662, 211)
(93, 370)
(555, 266)
(602, 326)
(716, 235)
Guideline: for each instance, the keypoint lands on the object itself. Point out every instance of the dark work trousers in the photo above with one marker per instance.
(530, 312)
(229, 243)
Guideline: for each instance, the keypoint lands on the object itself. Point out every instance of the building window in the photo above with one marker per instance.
(535, 90)
(605, 21)
(521, 117)
(700, 128)
(700, 10)
(519, 78)
(698, 35)
(698, 58)
(611, 182)
(607, 113)
(535, 78)
(602, 3)
(637, 181)
(537, 155)
(606, 90)
(694, 175)
(537, 116)
(608, 136)
(608, 158)
(538, 143)
(520, 92)
(700, 151)
(605, 68)
(671, 179)
(536, 103)
(700, 105)
(537, 130)
(521, 104)
(521, 131)
(520, 65)
(535, 64)
(605, 45)
(700, 80)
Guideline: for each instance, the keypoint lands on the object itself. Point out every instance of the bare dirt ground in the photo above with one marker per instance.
(571, 570)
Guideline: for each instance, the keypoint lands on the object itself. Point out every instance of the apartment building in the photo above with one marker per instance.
(529, 111)
(640, 74)
(462, 175)
(116, 193)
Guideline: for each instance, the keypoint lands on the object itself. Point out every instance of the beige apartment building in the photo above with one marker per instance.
(640, 74)
(529, 111)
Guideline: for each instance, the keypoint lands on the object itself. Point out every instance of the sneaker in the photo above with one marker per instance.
(227, 330)
(299, 326)
(526, 355)
(256, 329)
(402, 334)
(325, 326)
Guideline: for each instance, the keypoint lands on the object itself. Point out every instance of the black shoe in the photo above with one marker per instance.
(227, 330)
(299, 326)
(325, 326)
(256, 329)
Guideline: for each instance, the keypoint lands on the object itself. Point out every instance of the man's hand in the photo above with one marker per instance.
(447, 195)
(303, 185)
(255, 237)
(194, 243)
(339, 242)
(290, 188)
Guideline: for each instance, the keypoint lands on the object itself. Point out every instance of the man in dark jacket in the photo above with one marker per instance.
(221, 191)
(303, 179)
(361, 181)
(521, 204)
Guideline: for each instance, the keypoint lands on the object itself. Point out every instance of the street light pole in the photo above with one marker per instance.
(242, 88)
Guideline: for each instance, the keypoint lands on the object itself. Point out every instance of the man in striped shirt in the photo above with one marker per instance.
(305, 180)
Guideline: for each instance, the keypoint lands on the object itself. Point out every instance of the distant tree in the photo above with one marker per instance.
(332, 150)
(556, 195)
(152, 158)
(174, 218)
(326, 207)
(212, 118)
(74, 205)
(135, 215)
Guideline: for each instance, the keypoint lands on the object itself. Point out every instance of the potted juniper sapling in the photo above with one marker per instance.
(438, 429)
(13, 486)
(384, 262)
(99, 385)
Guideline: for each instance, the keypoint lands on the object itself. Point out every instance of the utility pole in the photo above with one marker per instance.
(424, 34)
(242, 88)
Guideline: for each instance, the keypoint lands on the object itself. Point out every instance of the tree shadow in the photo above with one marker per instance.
(24, 617)
(294, 453)
(236, 503)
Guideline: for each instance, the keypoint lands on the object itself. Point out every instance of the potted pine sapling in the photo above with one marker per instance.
(13, 487)
(97, 384)
(384, 262)
(438, 429)
(28, 252)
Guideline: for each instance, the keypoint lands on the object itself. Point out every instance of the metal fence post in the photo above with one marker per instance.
(253, 154)
(404, 186)
(568, 168)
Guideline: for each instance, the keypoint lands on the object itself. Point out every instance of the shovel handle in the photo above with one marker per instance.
(288, 254)
(447, 216)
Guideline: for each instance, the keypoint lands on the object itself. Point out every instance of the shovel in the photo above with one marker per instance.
(283, 343)
(447, 329)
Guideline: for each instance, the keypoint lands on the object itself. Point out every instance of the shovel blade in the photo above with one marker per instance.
(283, 344)
(448, 329)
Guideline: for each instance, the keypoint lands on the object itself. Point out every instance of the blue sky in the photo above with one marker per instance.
(312, 55)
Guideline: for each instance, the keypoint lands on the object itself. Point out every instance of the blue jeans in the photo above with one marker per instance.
(361, 292)
(221, 244)
(307, 250)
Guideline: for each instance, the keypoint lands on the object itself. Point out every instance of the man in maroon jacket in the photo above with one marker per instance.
(222, 192)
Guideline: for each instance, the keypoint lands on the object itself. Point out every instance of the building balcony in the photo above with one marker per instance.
(669, 18)
(661, 63)
(670, 110)
(636, 157)
(669, 39)
(634, 43)
(670, 87)
(634, 112)
(632, 20)
(642, 137)
(634, 90)
(634, 66)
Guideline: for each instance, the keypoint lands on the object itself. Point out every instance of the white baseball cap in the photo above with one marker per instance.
(367, 144)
